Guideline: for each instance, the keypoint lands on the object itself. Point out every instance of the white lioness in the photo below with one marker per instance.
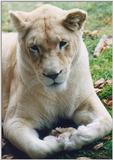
(45, 76)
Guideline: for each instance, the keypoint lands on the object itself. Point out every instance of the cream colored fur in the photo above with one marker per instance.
(29, 100)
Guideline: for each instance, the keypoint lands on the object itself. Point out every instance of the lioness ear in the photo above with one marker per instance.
(19, 19)
(74, 19)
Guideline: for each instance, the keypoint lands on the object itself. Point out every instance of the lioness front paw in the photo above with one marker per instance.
(64, 135)
(54, 143)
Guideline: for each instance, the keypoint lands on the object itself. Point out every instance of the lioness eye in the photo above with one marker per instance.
(34, 50)
(62, 44)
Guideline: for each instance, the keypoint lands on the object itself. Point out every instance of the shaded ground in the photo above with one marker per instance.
(99, 150)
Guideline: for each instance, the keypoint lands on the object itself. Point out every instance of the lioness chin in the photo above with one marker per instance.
(45, 76)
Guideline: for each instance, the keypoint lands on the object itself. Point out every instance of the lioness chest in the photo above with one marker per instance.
(43, 108)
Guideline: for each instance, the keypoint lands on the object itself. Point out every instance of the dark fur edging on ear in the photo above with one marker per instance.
(74, 19)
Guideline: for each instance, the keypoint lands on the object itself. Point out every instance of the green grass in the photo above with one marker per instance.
(101, 67)
(99, 18)
(99, 13)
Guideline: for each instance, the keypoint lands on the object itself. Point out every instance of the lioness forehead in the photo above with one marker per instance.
(46, 26)
(47, 30)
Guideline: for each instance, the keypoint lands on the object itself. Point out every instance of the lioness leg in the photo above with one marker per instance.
(26, 139)
(94, 122)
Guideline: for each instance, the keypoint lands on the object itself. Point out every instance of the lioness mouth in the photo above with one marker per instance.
(55, 84)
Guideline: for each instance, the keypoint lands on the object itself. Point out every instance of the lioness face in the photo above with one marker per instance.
(49, 42)
(50, 49)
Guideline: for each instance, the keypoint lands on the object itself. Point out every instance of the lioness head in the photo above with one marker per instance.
(49, 41)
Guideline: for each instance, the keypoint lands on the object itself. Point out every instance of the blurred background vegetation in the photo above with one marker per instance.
(100, 19)
(99, 13)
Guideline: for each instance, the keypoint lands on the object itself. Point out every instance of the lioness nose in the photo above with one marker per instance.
(52, 75)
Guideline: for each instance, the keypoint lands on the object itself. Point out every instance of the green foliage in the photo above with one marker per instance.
(99, 13)
(106, 92)
(101, 67)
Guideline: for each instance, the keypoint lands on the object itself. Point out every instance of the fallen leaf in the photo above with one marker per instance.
(109, 82)
(107, 138)
(7, 157)
(103, 44)
(107, 102)
(99, 83)
(107, 20)
(92, 34)
(102, 85)
(98, 146)
(97, 90)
